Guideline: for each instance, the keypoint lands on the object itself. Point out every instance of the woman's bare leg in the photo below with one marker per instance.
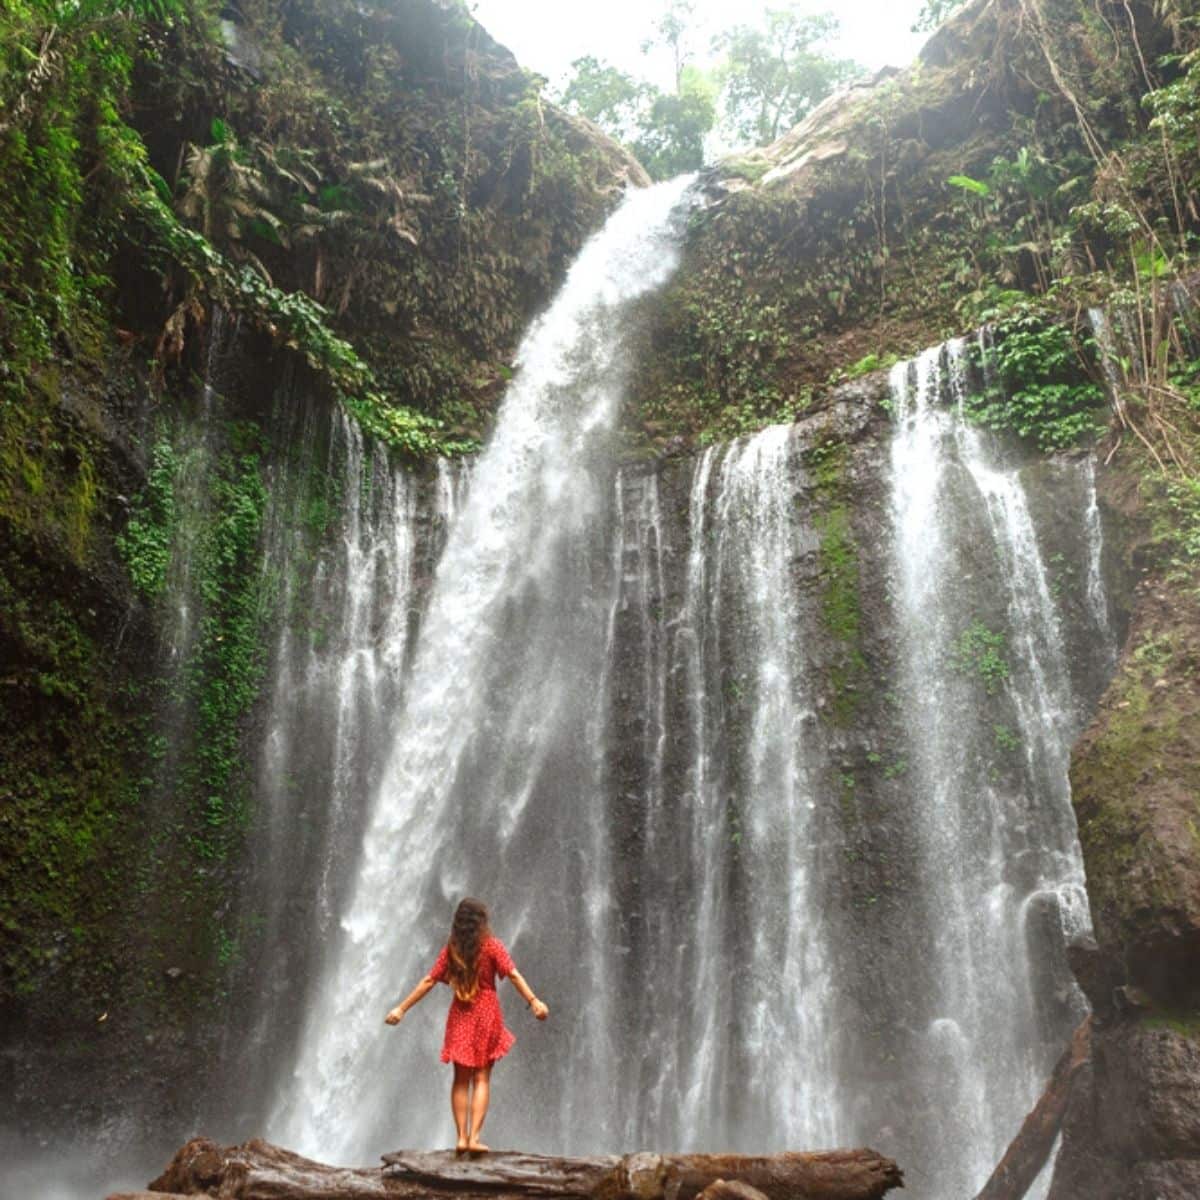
(479, 1105)
(460, 1103)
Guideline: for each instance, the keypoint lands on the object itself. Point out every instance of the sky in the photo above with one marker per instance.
(546, 35)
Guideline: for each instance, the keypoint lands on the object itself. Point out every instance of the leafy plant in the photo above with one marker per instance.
(1035, 382)
(145, 542)
(979, 652)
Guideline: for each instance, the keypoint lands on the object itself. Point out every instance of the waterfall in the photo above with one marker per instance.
(759, 925)
(491, 777)
(991, 711)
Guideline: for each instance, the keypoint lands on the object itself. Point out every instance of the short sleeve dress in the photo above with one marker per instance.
(475, 1033)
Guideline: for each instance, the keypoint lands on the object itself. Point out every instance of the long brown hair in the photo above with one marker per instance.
(467, 933)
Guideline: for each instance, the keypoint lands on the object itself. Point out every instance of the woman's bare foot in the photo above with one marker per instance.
(475, 1148)
(461, 1147)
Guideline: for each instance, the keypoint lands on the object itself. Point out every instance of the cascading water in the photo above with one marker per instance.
(616, 726)
(1002, 876)
(347, 544)
(719, 886)
(491, 778)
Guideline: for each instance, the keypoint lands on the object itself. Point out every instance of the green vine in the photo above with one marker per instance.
(227, 667)
(145, 542)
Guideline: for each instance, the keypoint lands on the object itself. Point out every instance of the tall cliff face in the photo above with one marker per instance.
(915, 206)
(909, 208)
(1134, 1125)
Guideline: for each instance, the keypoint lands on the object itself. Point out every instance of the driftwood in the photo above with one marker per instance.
(1028, 1151)
(261, 1171)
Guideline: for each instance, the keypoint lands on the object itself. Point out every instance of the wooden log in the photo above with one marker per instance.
(832, 1175)
(507, 1171)
(261, 1171)
(1028, 1151)
(258, 1170)
(828, 1175)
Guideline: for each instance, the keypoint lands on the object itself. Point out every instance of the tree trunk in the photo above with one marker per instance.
(260, 1171)
(1029, 1150)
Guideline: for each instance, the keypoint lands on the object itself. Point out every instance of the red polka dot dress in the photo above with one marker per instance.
(475, 1032)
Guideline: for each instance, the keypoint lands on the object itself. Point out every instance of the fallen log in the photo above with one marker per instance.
(831, 1175)
(507, 1171)
(1028, 1151)
(258, 1170)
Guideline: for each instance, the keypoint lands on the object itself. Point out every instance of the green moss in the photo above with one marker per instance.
(49, 487)
(1185, 1023)
(1139, 730)
(225, 673)
(841, 610)
(73, 788)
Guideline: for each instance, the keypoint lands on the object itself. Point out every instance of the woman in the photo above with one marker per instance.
(475, 1032)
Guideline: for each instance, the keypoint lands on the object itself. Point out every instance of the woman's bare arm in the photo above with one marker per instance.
(414, 997)
(518, 981)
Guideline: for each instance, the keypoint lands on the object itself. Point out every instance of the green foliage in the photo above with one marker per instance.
(976, 187)
(602, 93)
(412, 433)
(768, 77)
(1036, 385)
(1006, 739)
(670, 139)
(145, 542)
(867, 365)
(226, 670)
(70, 776)
(777, 72)
(979, 652)
(934, 12)
(665, 130)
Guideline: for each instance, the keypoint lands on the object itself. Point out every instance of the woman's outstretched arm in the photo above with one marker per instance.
(415, 996)
(518, 981)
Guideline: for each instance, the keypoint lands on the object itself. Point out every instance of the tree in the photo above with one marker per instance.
(777, 73)
(672, 29)
(665, 131)
(934, 13)
(673, 129)
(610, 98)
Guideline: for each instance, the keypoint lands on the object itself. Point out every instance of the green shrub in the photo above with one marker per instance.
(1037, 385)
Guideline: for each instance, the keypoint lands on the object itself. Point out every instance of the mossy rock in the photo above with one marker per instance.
(1135, 777)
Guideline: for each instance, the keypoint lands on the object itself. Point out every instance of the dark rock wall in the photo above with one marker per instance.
(1133, 1129)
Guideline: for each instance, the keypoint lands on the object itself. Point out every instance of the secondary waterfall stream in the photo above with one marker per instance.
(761, 923)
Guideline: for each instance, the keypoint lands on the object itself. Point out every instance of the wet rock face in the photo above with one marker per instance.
(1133, 1129)
(1134, 1126)
(1150, 1078)
(1136, 778)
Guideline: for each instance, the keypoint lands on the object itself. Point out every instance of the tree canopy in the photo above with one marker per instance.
(777, 72)
(760, 79)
